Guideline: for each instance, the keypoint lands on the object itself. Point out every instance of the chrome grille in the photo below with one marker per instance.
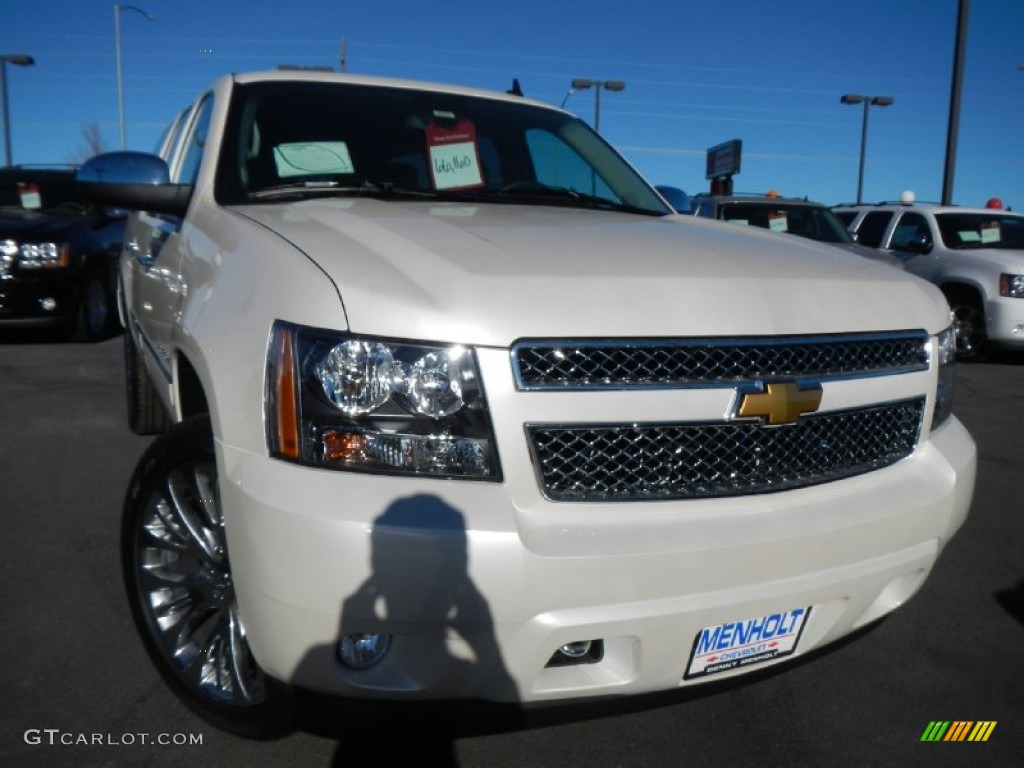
(689, 362)
(618, 462)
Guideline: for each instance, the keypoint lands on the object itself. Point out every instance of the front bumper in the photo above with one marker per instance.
(39, 300)
(490, 580)
(1005, 322)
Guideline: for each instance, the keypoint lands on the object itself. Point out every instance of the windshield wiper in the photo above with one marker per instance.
(517, 192)
(366, 187)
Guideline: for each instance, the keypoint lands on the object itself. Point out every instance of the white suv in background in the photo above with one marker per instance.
(462, 410)
(975, 255)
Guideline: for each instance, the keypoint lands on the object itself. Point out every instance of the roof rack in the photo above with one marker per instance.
(903, 202)
(886, 202)
(754, 196)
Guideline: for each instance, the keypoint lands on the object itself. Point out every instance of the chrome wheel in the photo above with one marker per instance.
(181, 590)
(185, 588)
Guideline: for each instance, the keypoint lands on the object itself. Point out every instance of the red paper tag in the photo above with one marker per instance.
(29, 194)
(452, 152)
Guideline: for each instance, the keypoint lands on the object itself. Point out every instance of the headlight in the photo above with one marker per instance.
(945, 350)
(355, 376)
(38, 255)
(8, 253)
(1011, 286)
(346, 402)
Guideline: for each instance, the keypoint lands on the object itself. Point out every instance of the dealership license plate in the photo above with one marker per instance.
(739, 644)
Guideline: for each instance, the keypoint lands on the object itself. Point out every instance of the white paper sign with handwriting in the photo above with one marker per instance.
(454, 161)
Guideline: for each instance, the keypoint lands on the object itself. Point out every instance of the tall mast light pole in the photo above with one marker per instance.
(867, 101)
(117, 50)
(20, 60)
(582, 83)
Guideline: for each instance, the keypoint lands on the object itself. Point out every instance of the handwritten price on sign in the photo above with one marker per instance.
(453, 156)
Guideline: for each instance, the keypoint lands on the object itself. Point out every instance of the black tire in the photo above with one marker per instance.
(97, 313)
(146, 414)
(178, 581)
(969, 325)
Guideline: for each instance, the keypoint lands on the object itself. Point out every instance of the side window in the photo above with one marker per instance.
(872, 228)
(909, 227)
(556, 164)
(192, 150)
(1013, 232)
(169, 140)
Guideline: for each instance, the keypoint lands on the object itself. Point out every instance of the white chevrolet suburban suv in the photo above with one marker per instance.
(975, 255)
(457, 409)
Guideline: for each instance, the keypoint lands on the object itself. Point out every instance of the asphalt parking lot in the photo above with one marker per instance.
(75, 672)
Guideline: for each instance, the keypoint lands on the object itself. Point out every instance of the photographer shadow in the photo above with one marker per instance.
(442, 655)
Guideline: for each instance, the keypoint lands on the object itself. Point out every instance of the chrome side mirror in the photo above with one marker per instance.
(133, 180)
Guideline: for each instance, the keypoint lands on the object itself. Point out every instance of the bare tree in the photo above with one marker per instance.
(92, 143)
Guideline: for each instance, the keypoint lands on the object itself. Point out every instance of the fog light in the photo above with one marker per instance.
(48, 304)
(576, 650)
(363, 651)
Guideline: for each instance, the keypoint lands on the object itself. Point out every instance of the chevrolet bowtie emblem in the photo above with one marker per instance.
(782, 402)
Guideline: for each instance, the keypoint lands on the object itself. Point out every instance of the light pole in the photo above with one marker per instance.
(878, 101)
(582, 83)
(20, 60)
(956, 88)
(117, 51)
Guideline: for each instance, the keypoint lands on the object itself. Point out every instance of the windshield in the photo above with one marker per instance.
(981, 230)
(294, 139)
(804, 220)
(27, 191)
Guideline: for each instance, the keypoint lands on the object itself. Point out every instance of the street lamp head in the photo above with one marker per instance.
(875, 101)
(582, 83)
(149, 16)
(19, 59)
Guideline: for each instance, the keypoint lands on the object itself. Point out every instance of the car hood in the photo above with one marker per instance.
(490, 274)
(38, 226)
(871, 253)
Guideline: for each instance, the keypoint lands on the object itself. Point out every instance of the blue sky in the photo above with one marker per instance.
(697, 74)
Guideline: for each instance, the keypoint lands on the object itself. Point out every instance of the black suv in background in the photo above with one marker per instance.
(790, 215)
(58, 255)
